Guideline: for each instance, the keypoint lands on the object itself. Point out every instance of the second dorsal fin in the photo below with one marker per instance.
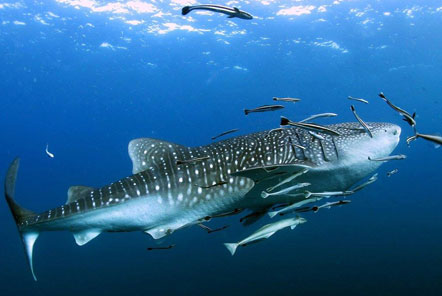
(145, 152)
(78, 192)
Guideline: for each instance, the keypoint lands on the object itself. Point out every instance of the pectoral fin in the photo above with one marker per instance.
(158, 233)
(85, 236)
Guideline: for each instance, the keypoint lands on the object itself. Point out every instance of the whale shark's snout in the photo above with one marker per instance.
(386, 137)
(355, 146)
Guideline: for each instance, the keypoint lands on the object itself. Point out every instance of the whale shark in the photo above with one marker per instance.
(173, 186)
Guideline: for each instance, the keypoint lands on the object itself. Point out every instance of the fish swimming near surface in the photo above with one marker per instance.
(265, 232)
(264, 108)
(289, 100)
(225, 133)
(231, 12)
(387, 158)
(357, 99)
(161, 197)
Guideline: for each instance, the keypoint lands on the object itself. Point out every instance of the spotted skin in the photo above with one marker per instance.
(185, 193)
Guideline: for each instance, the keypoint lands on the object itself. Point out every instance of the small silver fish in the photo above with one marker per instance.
(160, 248)
(290, 208)
(309, 126)
(394, 107)
(387, 158)
(191, 160)
(391, 173)
(409, 119)
(309, 194)
(219, 183)
(274, 130)
(293, 100)
(49, 153)
(319, 116)
(265, 194)
(357, 99)
(316, 136)
(231, 213)
(411, 139)
(295, 145)
(210, 230)
(265, 232)
(328, 205)
(287, 180)
(264, 108)
(364, 125)
(433, 138)
(371, 180)
(225, 133)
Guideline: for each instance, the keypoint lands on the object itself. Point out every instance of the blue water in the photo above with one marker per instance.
(86, 78)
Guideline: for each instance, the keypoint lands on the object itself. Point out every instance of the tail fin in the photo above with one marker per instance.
(20, 214)
(185, 10)
(231, 247)
(246, 111)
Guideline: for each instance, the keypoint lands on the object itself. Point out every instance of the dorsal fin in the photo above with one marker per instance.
(77, 192)
(144, 152)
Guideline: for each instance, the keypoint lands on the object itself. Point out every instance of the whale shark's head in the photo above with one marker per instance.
(355, 145)
(348, 154)
(355, 142)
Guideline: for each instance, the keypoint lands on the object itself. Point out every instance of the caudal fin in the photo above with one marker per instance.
(231, 247)
(185, 10)
(20, 214)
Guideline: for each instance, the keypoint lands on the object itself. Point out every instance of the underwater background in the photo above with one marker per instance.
(88, 76)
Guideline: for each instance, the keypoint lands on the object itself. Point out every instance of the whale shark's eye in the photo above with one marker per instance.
(395, 132)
